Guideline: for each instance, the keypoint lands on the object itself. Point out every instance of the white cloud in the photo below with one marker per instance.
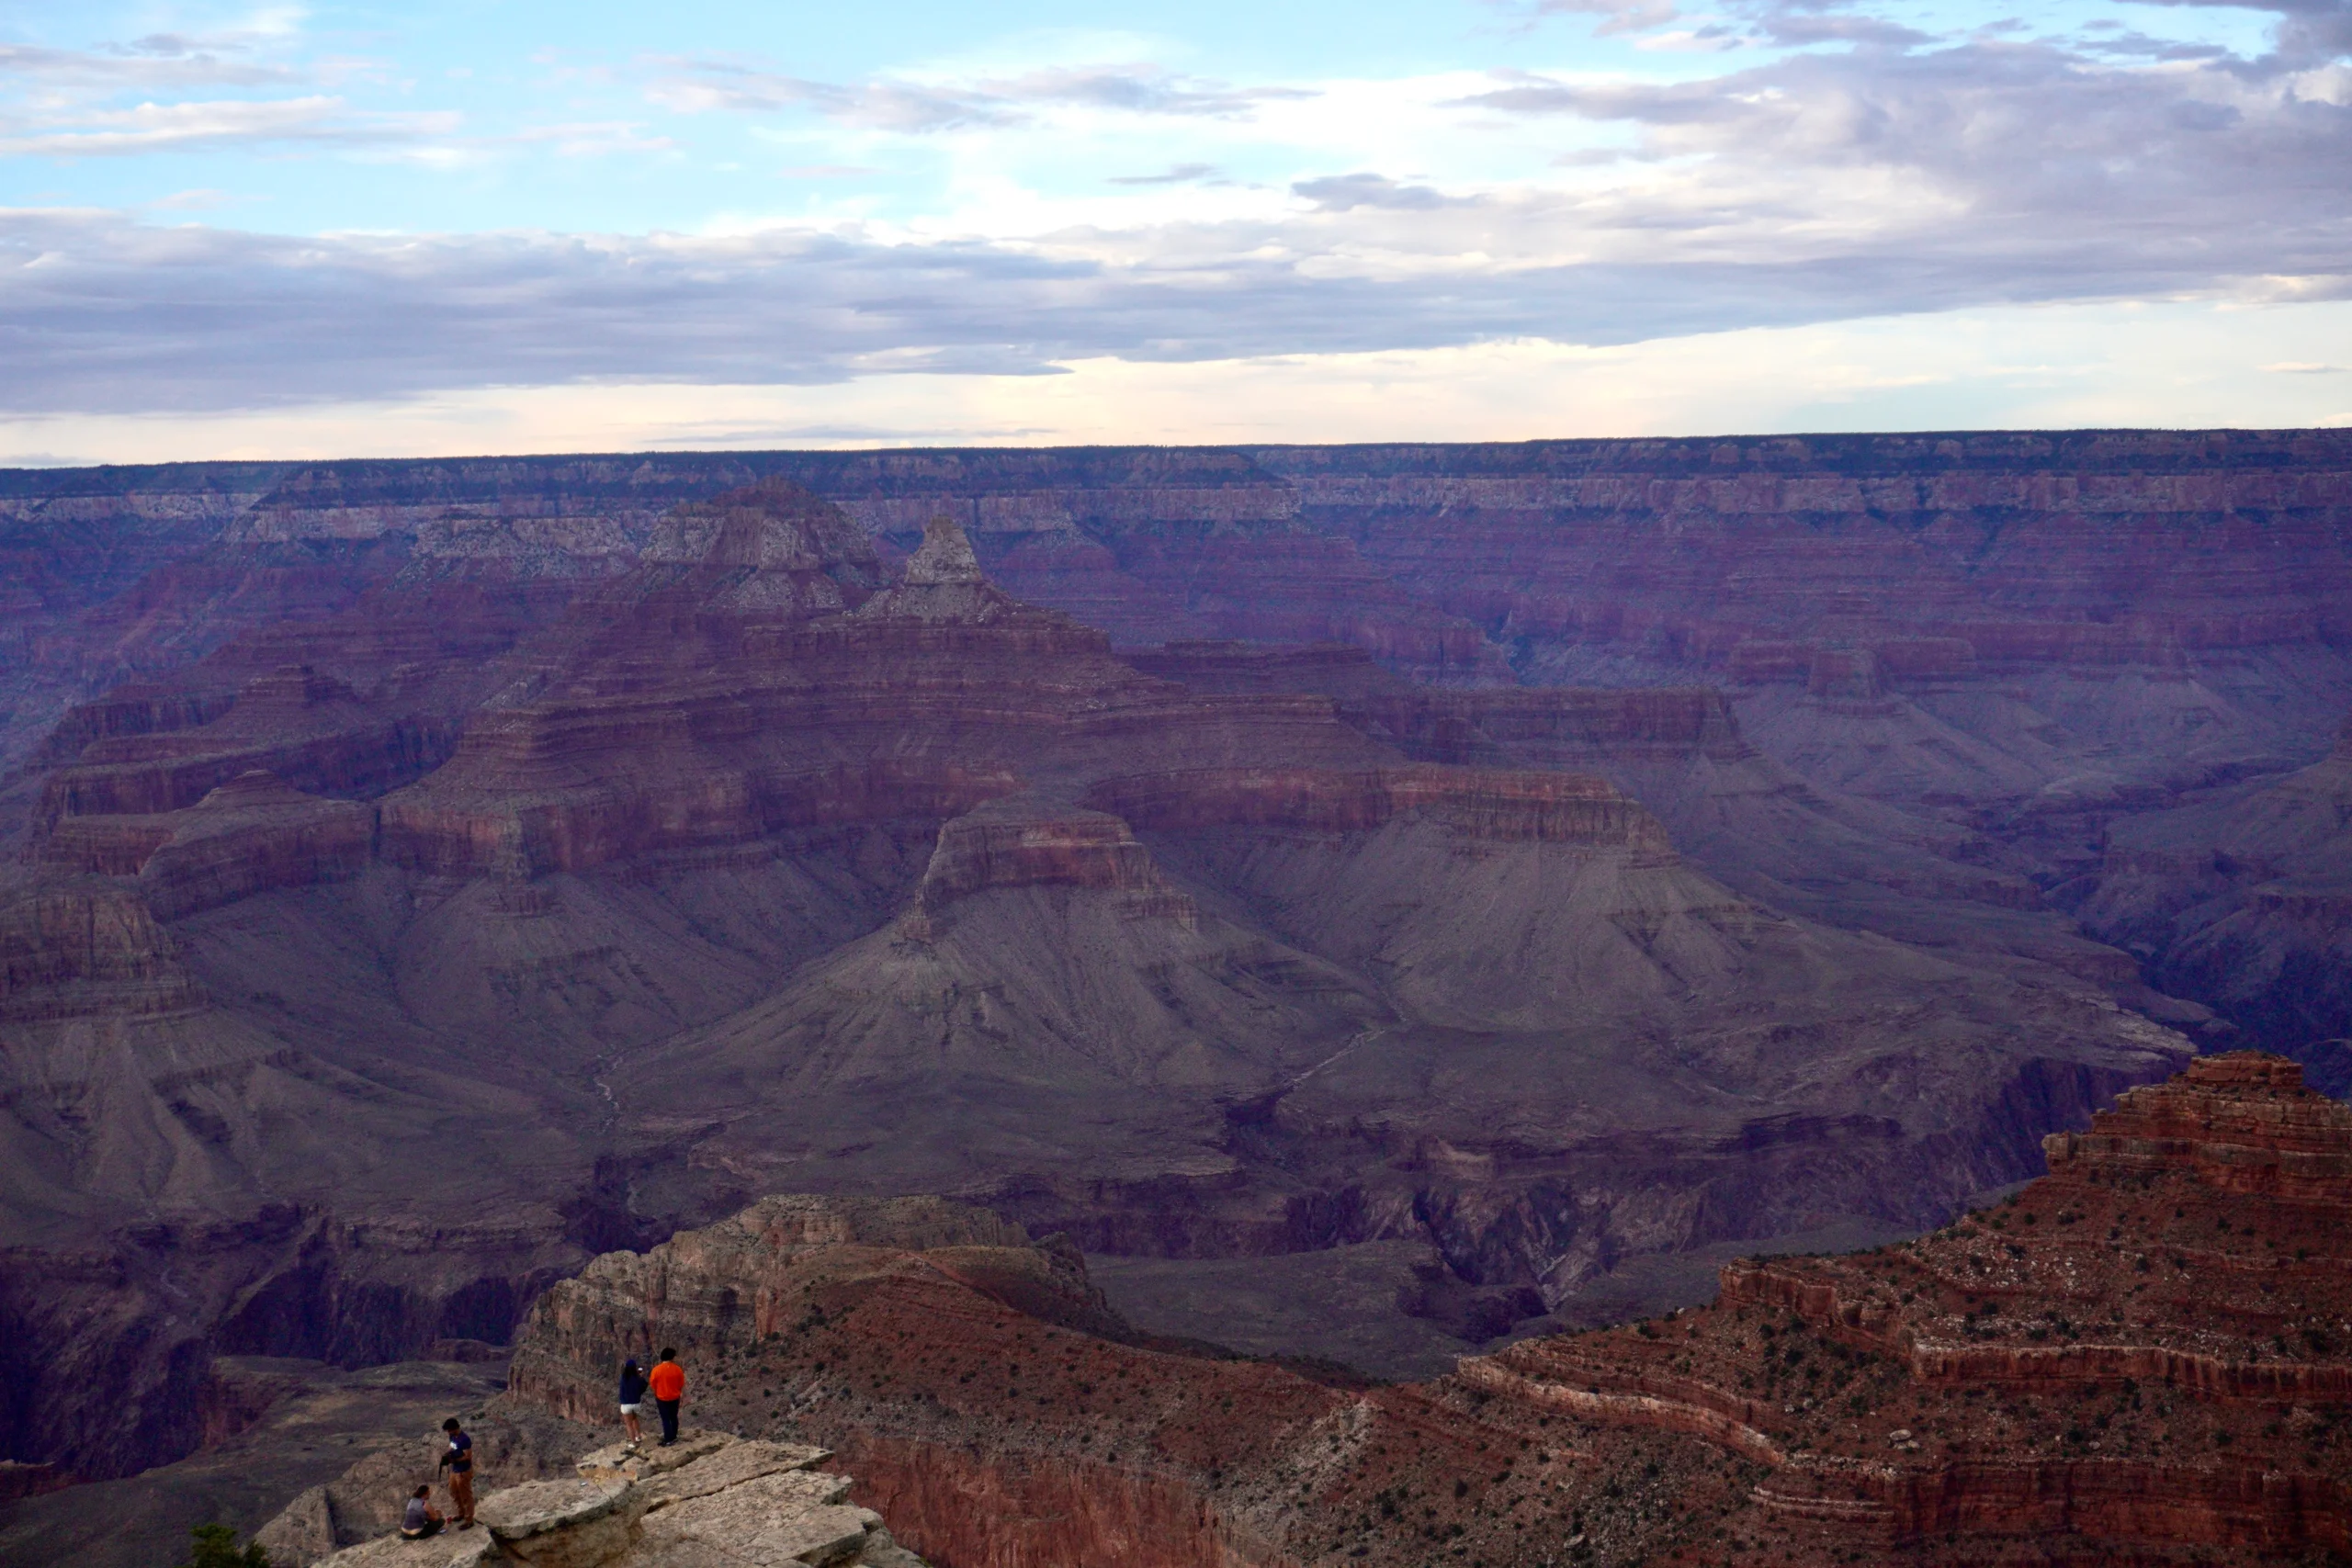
(2047, 367)
(919, 106)
(1871, 173)
(149, 64)
(155, 128)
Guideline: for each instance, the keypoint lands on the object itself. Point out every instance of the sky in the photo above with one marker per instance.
(298, 231)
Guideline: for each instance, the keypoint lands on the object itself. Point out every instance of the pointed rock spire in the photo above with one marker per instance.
(943, 583)
(944, 557)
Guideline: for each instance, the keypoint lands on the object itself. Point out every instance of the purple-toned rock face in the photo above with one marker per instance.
(1479, 887)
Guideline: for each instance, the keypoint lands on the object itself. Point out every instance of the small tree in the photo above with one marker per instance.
(216, 1547)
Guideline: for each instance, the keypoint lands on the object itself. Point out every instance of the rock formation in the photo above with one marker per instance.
(713, 1499)
(2143, 1356)
(2245, 897)
(422, 876)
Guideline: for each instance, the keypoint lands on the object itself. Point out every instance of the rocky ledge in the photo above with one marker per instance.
(712, 1501)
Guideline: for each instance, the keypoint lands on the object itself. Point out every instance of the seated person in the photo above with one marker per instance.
(419, 1519)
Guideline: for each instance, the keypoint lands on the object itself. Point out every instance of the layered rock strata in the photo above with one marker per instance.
(601, 891)
(2142, 1354)
(2141, 1358)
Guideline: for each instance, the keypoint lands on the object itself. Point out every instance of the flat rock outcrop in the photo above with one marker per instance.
(711, 1500)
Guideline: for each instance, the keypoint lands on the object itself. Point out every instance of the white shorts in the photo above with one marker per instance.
(628, 1409)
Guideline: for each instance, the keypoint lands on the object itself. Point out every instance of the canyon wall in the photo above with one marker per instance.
(1557, 856)
(2016, 1388)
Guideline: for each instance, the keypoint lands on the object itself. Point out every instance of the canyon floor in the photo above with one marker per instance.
(1375, 903)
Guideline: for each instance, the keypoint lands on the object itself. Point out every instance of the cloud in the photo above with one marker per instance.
(102, 313)
(1867, 175)
(2307, 30)
(1174, 175)
(1796, 28)
(1345, 193)
(1617, 15)
(154, 128)
(700, 84)
(2303, 368)
(159, 61)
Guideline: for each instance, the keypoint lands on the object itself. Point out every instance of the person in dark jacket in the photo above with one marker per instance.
(458, 1458)
(632, 1395)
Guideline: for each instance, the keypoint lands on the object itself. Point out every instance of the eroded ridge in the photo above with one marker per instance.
(2144, 1350)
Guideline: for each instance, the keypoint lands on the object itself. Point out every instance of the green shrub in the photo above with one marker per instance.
(216, 1547)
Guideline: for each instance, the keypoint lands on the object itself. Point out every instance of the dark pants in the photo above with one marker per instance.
(669, 1408)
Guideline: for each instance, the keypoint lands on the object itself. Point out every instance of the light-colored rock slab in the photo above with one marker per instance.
(451, 1549)
(739, 1463)
(818, 1538)
(776, 1509)
(881, 1551)
(714, 1501)
(562, 1524)
(621, 1462)
(538, 1507)
(303, 1531)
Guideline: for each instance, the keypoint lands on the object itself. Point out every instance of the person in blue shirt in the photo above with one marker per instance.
(458, 1458)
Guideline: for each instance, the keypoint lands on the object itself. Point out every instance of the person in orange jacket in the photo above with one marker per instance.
(667, 1382)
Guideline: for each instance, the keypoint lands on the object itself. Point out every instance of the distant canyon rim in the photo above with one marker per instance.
(1374, 901)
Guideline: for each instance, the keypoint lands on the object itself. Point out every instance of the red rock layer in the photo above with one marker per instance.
(985, 1398)
(2243, 1124)
(1561, 726)
(251, 834)
(1764, 557)
(298, 723)
(87, 947)
(1486, 803)
(140, 709)
(2144, 1357)
(1029, 845)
